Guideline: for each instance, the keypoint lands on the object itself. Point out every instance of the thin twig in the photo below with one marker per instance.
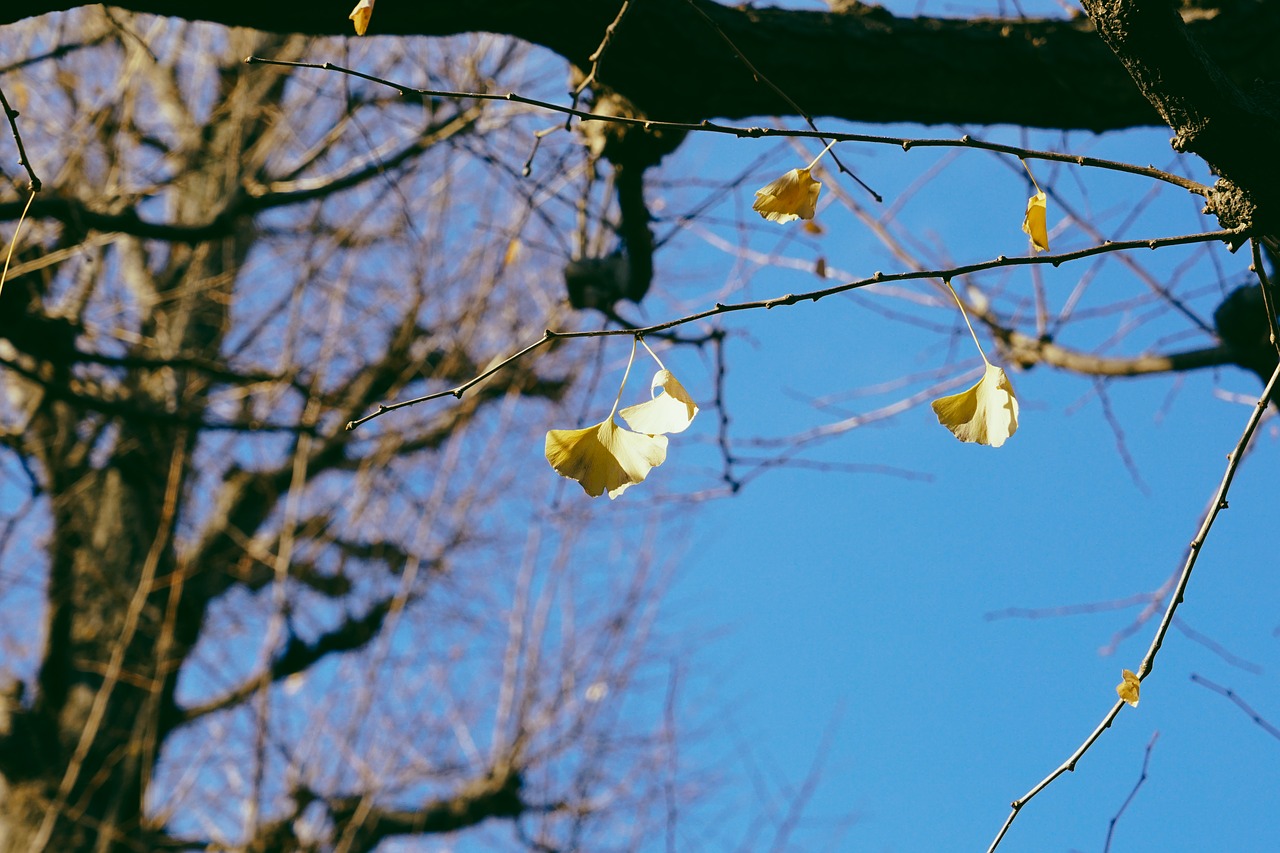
(1240, 703)
(905, 143)
(1265, 284)
(799, 110)
(1218, 504)
(811, 296)
(458, 391)
(1142, 777)
(12, 114)
(595, 58)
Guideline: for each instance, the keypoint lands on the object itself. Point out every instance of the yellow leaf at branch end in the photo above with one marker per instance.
(605, 457)
(793, 196)
(1034, 223)
(987, 413)
(671, 409)
(361, 14)
(1128, 689)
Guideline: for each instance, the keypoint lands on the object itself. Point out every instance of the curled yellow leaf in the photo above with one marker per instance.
(987, 413)
(604, 457)
(361, 14)
(1128, 688)
(671, 410)
(1034, 223)
(793, 196)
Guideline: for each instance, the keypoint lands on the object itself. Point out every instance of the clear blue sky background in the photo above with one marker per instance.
(853, 605)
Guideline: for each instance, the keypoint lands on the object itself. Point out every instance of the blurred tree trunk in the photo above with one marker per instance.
(122, 617)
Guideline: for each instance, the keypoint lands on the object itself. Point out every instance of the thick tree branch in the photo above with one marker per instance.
(863, 64)
(298, 656)
(248, 202)
(496, 795)
(1234, 130)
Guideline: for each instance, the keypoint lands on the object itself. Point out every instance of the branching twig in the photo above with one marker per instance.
(596, 57)
(1142, 777)
(811, 296)
(12, 115)
(755, 72)
(1218, 504)
(1240, 703)
(905, 143)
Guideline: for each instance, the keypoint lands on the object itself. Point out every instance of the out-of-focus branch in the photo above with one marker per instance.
(353, 633)
(248, 202)
(496, 795)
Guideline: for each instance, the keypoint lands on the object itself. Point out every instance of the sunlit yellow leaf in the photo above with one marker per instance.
(671, 409)
(793, 196)
(1128, 689)
(605, 457)
(813, 228)
(1034, 222)
(361, 14)
(987, 413)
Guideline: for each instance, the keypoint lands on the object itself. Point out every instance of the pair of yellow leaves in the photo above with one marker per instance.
(607, 458)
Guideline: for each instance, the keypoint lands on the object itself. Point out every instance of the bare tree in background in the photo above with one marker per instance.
(260, 630)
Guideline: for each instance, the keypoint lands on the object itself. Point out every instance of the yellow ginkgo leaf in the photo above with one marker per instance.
(1034, 223)
(1128, 689)
(987, 413)
(671, 409)
(793, 196)
(605, 457)
(361, 14)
